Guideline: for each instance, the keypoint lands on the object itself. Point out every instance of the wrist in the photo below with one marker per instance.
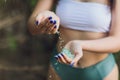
(79, 42)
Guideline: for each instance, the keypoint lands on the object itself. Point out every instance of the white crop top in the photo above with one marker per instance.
(86, 16)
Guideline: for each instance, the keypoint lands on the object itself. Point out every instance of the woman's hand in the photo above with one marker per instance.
(76, 50)
(46, 22)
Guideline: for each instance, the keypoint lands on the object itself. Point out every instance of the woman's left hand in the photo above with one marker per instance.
(75, 48)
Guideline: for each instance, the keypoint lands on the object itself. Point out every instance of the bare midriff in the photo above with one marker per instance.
(89, 58)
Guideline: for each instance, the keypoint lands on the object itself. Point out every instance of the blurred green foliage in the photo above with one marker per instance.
(32, 3)
(12, 43)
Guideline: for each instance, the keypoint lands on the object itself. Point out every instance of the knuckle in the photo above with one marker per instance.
(52, 12)
(57, 18)
(39, 15)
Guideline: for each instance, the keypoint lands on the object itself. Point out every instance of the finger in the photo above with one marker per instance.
(48, 23)
(43, 28)
(59, 59)
(49, 29)
(76, 59)
(32, 30)
(62, 59)
(56, 27)
(39, 19)
(72, 64)
(42, 25)
(56, 57)
(68, 60)
(40, 22)
(49, 26)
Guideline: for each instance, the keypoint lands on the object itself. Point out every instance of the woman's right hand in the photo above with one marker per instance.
(46, 22)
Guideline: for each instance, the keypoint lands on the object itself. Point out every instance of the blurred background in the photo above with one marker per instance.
(23, 56)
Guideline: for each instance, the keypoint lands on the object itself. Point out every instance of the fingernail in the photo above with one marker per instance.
(54, 22)
(55, 26)
(72, 64)
(61, 54)
(50, 18)
(37, 22)
(56, 56)
(51, 21)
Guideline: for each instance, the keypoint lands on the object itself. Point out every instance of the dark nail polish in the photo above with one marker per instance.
(54, 22)
(72, 64)
(55, 26)
(37, 22)
(51, 21)
(62, 54)
(50, 18)
(58, 56)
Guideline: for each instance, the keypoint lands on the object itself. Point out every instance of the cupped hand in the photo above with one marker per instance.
(46, 22)
(75, 48)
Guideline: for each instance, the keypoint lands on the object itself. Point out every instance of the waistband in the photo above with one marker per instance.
(94, 72)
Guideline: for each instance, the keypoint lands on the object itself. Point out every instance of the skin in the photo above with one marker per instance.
(41, 14)
(83, 43)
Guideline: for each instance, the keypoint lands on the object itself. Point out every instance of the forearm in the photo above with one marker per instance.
(104, 45)
(42, 5)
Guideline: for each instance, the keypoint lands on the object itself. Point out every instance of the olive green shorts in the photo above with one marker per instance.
(95, 72)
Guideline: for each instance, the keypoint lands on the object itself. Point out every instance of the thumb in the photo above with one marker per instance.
(75, 60)
(39, 19)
